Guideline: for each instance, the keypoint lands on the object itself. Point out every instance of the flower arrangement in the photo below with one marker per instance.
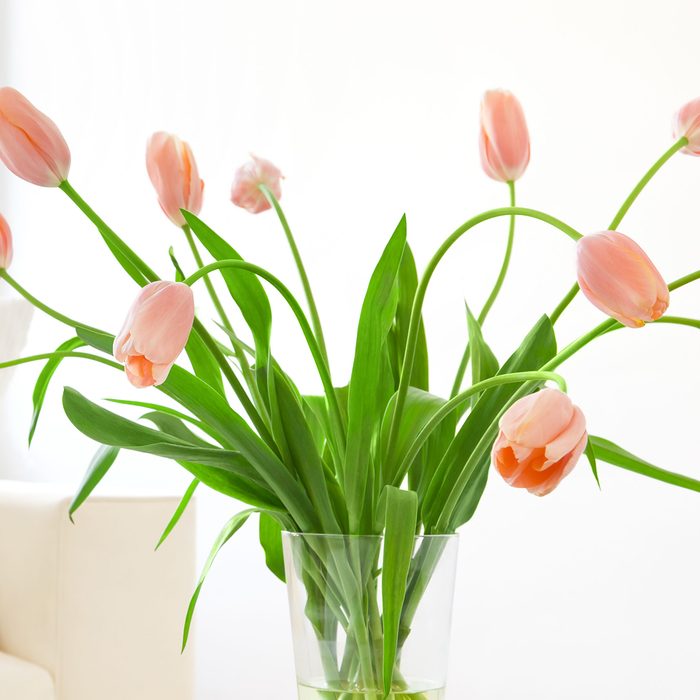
(379, 455)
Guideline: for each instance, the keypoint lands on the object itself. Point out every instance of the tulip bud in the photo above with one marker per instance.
(504, 142)
(173, 172)
(687, 123)
(541, 438)
(616, 275)
(155, 332)
(5, 244)
(245, 192)
(31, 145)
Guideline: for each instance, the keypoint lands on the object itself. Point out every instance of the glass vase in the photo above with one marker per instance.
(335, 597)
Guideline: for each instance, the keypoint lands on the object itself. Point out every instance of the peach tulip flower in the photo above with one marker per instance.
(617, 276)
(5, 244)
(687, 123)
(155, 332)
(504, 141)
(541, 438)
(245, 192)
(31, 145)
(173, 172)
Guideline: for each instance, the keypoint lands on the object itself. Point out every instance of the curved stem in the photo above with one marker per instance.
(412, 337)
(225, 322)
(136, 268)
(303, 323)
(683, 141)
(454, 403)
(459, 378)
(682, 281)
(4, 274)
(59, 353)
(313, 310)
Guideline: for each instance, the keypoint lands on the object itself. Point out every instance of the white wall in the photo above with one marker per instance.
(371, 110)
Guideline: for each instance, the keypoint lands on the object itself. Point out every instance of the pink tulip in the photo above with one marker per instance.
(173, 172)
(504, 142)
(245, 192)
(155, 332)
(5, 244)
(541, 438)
(617, 276)
(687, 123)
(31, 145)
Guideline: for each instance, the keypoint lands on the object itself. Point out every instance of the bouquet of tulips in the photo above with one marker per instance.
(377, 454)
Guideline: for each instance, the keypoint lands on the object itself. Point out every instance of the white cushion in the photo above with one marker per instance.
(20, 680)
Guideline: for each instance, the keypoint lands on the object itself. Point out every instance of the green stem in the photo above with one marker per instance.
(459, 378)
(457, 401)
(4, 274)
(414, 324)
(314, 347)
(683, 141)
(561, 306)
(137, 269)
(682, 281)
(239, 352)
(63, 354)
(313, 310)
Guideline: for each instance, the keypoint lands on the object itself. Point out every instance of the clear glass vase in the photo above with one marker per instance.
(335, 597)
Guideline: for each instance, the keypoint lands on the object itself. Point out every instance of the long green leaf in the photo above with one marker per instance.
(102, 461)
(203, 363)
(181, 508)
(271, 542)
(399, 538)
(609, 452)
(229, 530)
(44, 379)
(484, 362)
(369, 390)
(538, 347)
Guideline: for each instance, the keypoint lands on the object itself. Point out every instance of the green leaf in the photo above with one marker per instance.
(609, 452)
(44, 379)
(184, 502)
(245, 288)
(102, 461)
(179, 274)
(229, 530)
(484, 362)
(271, 542)
(407, 285)
(204, 364)
(99, 341)
(536, 350)
(399, 538)
(369, 390)
(590, 454)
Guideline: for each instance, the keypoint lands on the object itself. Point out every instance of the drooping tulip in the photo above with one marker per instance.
(618, 277)
(31, 145)
(504, 141)
(540, 441)
(245, 191)
(173, 172)
(155, 332)
(5, 244)
(687, 123)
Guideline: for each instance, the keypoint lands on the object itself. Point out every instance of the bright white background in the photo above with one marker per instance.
(371, 109)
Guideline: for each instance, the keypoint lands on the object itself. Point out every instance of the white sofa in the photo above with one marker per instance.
(88, 611)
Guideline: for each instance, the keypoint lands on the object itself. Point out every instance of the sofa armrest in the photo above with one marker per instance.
(92, 602)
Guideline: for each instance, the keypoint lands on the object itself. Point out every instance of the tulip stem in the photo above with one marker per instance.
(313, 310)
(682, 141)
(61, 354)
(314, 347)
(414, 324)
(561, 306)
(459, 378)
(4, 274)
(134, 266)
(240, 354)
